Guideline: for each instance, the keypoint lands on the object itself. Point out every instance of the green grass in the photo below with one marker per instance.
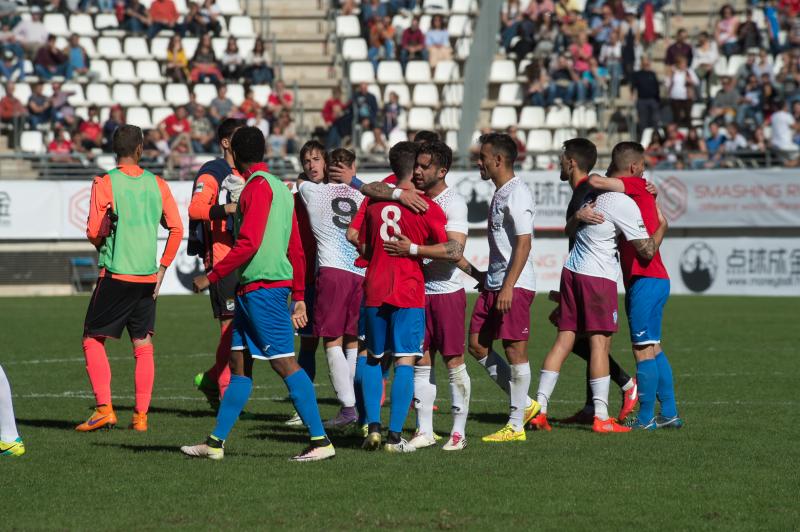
(734, 466)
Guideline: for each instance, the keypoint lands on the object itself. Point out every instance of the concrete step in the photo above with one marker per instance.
(17, 169)
(302, 73)
(284, 7)
(288, 50)
(299, 27)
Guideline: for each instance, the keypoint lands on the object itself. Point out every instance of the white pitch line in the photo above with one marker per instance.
(82, 359)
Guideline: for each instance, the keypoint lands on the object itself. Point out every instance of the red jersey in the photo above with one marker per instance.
(358, 219)
(391, 280)
(632, 264)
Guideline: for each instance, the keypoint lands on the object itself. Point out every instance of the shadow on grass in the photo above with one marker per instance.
(176, 450)
(489, 417)
(48, 423)
(180, 412)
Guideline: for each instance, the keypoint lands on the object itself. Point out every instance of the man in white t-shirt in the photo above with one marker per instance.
(339, 287)
(445, 299)
(784, 128)
(503, 309)
(588, 292)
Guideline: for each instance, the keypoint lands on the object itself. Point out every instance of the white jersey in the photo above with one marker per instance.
(595, 250)
(331, 207)
(441, 276)
(511, 213)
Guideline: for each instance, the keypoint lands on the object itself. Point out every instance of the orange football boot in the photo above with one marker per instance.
(629, 400)
(608, 425)
(540, 423)
(103, 417)
(139, 422)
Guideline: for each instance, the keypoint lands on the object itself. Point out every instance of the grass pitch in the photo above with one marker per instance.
(734, 466)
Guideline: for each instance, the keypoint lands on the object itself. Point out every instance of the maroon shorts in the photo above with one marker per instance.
(513, 325)
(588, 304)
(337, 303)
(444, 323)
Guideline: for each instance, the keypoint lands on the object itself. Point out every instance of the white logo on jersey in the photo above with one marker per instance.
(390, 221)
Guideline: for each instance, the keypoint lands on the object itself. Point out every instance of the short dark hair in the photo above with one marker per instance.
(622, 154)
(441, 154)
(228, 126)
(311, 145)
(248, 145)
(583, 151)
(502, 144)
(424, 135)
(402, 157)
(126, 139)
(340, 155)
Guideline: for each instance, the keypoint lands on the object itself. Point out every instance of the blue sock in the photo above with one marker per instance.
(666, 389)
(232, 404)
(402, 395)
(647, 380)
(301, 392)
(308, 361)
(372, 389)
(357, 384)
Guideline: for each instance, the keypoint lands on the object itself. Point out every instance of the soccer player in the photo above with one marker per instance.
(503, 309)
(10, 441)
(646, 292)
(445, 299)
(339, 287)
(209, 212)
(126, 207)
(312, 157)
(395, 300)
(588, 303)
(269, 256)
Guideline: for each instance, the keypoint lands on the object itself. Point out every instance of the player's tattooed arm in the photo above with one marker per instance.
(645, 247)
(381, 191)
(586, 215)
(452, 250)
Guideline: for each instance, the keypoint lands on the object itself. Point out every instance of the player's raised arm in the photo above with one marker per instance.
(378, 190)
(628, 219)
(606, 184)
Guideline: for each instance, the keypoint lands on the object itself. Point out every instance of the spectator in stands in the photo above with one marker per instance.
(784, 129)
(79, 151)
(164, 16)
(27, 35)
(763, 66)
(288, 130)
(726, 31)
(106, 6)
(592, 83)
(581, 51)
(611, 58)
(735, 142)
(572, 23)
(510, 17)
(682, 85)
(221, 106)
(646, 92)
(12, 67)
(672, 147)
(63, 112)
(212, 13)
(381, 44)
(695, 152)
(50, 61)
(680, 47)
(175, 124)
(276, 144)
(177, 68)
(704, 59)
(155, 149)
(39, 106)
(279, 99)
(793, 32)
(655, 150)
(750, 105)
(260, 121)
(602, 27)
(194, 22)
(12, 111)
(546, 34)
(77, 57)
(538, 83)
(204, 63)
(135, 18)
(232, 63)
(374, 9)
(748, 34)
(92, 130)
(714, 145)
(746, 70)
(202, 135)
(437, 41)
(365, 109)
(333, 107)
(525, 38)
(116, 119)
(564, 84)
(537, 8)
(391, 113)
(769, 98)
(757, 144)
(789, 77)
(412, 45)
(726, 101)
(405, 6)
(60, 148)
(631, 36)
(257, 65)
(9, 18)
(249, 105)
(180, 156)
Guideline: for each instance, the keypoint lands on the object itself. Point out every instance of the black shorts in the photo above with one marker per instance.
(116, 305)
(222, 295)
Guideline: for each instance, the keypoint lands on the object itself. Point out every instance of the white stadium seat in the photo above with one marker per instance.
(109, 48)
(106, 23)
(149, 71)
(367, 141)
(229, 7)
(420, 118)
(397, 135)
(502, 117)
(451, 139)
(354, 49)
(261, 93)
(531, 117)
(159, 114)
(100, 69)
(734, 62)
(236, 93)
(125, 95)
(218, 44)
(403, 94)
(450, 118)
(122, 70)
(88, 45)
(151, 95)
(362, 72)
(176, 94)
(418, 72)
(459, 26)
(446, 72)
(158, 47)
(56, 24)
(400, 23)
(31, 142)
(205, 92)
(78, 98)
(510, 94)
(453, 94)
(348, 26)
(558, 116)
(389, 72)
(189, 47)
(375, 90)
(22, 92)
(721, 66)
(435, 6)
(136, 48)
(503, 71)
(82, 24)
(98, 94)
(466, 6)
(562, 135)
(425, 95)
(139, 116)
(462, 47)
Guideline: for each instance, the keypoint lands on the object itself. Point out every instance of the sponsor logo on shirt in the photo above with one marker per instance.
(615, 317)
(199, 187)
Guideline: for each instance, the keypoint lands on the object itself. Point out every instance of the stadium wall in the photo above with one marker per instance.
(732, 232)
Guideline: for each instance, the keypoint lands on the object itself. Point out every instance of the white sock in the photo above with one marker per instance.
(340, 376)
(424, 397)
(498, 369)
(600, 396)
(520, 383)
(547, 383)
(460, 389)
(352, 358)
(628, 385)
(8, 425)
